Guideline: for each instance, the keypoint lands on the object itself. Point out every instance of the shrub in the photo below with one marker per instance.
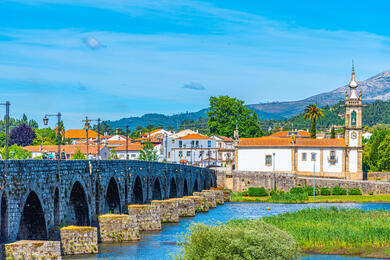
(289, 197)
(237, 239)
(371, 193)
(245, 193)
(338, 191)
(355, 191)
(325, 191)
(309, 190)
(297, 190)
(257, 192)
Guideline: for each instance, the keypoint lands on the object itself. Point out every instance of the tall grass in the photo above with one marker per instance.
(237, 240)
(334, 228)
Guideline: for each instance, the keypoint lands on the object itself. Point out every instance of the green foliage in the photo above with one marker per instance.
(148, 153)
(309, 190)
(355, 191)
(313, 112)
(327, 229)
(245, 193)
(257, 192)
(325, 191)
(332, 133)
(16, 152)
(297, 190)
(78, 155)
(338, 191)
(237, 239)
(226, 112)
(289, 197)
(45, 136)
(377, 150)
(105, 128)
(112, 155)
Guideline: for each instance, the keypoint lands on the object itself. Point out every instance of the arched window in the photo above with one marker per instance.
(353, 118)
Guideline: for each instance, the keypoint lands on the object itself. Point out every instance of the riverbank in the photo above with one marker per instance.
(236, 197)
(337, 231)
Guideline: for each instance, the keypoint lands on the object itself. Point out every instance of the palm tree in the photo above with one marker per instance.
(313, 112)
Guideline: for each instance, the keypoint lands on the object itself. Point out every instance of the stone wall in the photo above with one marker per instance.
(79, 240)
(32, 249)
(147, 216)
(199, 203)
(186, 207)
(241, 181)
(378, 176)
(169, 210)
(219, 196)
(209, 198)
(227, 196)
(84, 189)
(118, 228)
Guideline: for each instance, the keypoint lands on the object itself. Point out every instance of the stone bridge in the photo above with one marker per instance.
(36, 200)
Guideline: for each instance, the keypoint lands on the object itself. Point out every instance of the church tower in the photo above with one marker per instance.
(353, 131)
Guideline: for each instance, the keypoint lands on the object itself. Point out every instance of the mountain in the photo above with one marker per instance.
(374, 88)
(157, 120)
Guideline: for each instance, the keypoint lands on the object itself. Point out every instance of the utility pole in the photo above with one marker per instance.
(7, 105)
(45, 122)
(273, 165)
(314, 176)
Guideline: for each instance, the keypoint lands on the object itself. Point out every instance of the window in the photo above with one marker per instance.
(169, 154)
(188, 153)
(208, 143)
(180, 154)
(220, 145)
(304, 156)
(180, 144)
(201, 153)
(208, 153)
(332, 157)
(353, 118)
(192, 143)
(133, 155)
(268, 160)
(197, 143)
(313, 156)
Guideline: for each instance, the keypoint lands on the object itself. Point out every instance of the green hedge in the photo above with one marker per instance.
(338, 191)
(325, 191)
(297, 190)
(257, 192)
(355, 191)
(309, 190)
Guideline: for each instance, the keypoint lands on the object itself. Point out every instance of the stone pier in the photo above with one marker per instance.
(209, 196)
(118, 228)
(199, 203)
(169, 210)
(32, 249)
(226, 196)
(186, 207)
(219, 196)
(79, 240)
(147, 216)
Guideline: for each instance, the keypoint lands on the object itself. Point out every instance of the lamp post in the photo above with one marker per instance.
(127, 144)
(314, 175)
(86, 127)
(273, 166)
(6, 104)
(45, 122)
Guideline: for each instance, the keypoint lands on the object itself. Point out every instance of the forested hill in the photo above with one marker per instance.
(377, 112)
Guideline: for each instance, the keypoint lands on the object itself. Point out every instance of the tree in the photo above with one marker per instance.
(62, 130)
(332, 133)
(313, 112)
(105, 128)
(45, 136)
(226, 112)
(33, 124)
(148, 153)
(16, 152)
(383, 163)
(22, 135)
(375, 148)
(78, 155)
(113, 155)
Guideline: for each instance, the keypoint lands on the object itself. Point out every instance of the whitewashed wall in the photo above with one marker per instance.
(308, 165)
(254, 159)
(353, 158)
(338, 166)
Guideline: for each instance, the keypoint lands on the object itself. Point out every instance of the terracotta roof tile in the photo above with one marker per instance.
(290, 133)
(69, 149)
(320, 142)
(264, 141)
(132, 147)
(80, 133)
(194, 136)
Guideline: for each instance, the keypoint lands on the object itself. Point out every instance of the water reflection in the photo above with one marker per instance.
(159, 245)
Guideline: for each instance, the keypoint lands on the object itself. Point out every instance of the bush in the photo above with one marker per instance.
(289, 197)
(245, 193)
(237, 239)
(309, 190)
(338, 191)
(297, 190)
(257, 192)
(325, 191)
(371, 193)
(355, 191)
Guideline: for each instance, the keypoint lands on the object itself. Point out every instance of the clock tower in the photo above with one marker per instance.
(353, 131)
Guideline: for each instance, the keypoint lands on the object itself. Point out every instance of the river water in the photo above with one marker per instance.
(159, 245)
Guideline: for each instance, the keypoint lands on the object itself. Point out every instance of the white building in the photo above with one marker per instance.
(225, 150)
(193, 149)
(337, 158)
(133, 151)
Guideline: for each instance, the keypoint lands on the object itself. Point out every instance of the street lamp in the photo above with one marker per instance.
(86, 127)
(45, 122)
(6, 104)
(273, 166)
(313, 155)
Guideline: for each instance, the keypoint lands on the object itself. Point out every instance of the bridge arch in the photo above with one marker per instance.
(4, 218)
(32, 222)
(204, 184)
(113, 201)
(138, 196)
(185, 188)
(56, 207)
(156, 192)
(172, 188)
(196, 186)
(97, 198)
(79, 205)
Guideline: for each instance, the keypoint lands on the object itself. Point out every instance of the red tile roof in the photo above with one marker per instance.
(290, 133)
(69, 149)
(132, 147)
(194, 136)
(80, 134)
(306, 142)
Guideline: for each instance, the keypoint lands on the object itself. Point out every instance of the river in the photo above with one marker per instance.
(158, 245)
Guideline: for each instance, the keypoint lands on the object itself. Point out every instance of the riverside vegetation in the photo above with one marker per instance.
(320, 230)
(304, 195)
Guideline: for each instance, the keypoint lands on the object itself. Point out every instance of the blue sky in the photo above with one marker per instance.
(114, 59)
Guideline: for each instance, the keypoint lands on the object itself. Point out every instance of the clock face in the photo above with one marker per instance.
(353, 135)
